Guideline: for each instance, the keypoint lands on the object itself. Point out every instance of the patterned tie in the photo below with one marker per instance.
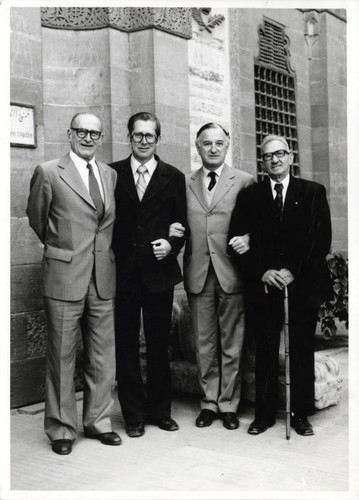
(95, 192)
(278, 201)
(141, 183)
(213, 176)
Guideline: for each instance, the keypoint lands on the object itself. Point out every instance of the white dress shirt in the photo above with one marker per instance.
(207, 180)
(80, 164)
(150, 165)
(285, 183)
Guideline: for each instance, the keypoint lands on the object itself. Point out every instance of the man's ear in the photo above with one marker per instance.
(158, 140)
(69, 133)
(291, 158)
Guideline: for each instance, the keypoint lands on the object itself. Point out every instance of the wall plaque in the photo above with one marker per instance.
(22, 125)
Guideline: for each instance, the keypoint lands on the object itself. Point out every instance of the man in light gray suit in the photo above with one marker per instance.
(71, 208)
(213, 285)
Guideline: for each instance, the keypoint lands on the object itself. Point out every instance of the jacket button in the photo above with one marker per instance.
(95, 212)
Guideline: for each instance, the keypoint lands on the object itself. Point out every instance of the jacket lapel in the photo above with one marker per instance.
(196, 186)
(69, 173)
(106, 184)
(158, 181)
(126, 180)
(293, 197)
(224, 184)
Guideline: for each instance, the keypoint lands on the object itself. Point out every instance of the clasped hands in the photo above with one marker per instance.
(161, 247)
(279, 279)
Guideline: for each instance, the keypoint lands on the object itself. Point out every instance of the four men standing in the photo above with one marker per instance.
(284, 222)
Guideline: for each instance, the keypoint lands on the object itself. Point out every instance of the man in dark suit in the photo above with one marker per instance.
(290, 235)
(71, 208)
(150, 195)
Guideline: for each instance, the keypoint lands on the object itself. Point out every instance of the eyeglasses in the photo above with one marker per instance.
(82, 133)
(138, 137)
(279, 154)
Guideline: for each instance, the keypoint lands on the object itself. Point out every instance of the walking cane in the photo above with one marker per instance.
(287, 366)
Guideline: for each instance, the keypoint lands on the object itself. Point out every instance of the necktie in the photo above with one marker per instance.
(95, 192)
(278, 201)
(141, 183)
(212, 183)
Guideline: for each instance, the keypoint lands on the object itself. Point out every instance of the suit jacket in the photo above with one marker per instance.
(301, 244)
(208, 227)
(62, 214)
(140, 222)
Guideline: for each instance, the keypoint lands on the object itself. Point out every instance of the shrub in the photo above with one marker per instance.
(337, 308)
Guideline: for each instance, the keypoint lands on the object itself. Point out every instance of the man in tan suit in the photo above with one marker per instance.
(71, 208)
(212, 282)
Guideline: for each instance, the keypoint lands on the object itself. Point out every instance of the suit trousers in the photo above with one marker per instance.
(95, 317)
(269, 323)
(152, 399)
(218, 324)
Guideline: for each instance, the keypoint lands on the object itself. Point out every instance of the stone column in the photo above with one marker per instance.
(28, 334)
(327, 76)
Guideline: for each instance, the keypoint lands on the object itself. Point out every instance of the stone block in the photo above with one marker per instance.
(20, 188)
(319, 115)
(25, 57)
(79, 86)
(75, 48)
(26, 21)
(120, 87)
(26, 248)
(26, 288)
(28, 380)
(28, 335)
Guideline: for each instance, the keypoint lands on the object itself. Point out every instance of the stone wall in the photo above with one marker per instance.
(187, 77)
(209, 85)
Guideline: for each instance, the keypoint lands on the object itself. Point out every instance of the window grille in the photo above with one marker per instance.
(274, 86)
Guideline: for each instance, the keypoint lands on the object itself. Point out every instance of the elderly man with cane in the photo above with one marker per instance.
(288, 220)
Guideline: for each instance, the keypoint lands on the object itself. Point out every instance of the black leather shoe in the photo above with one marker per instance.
(230, 420)
(302, 426)
(206, 418)
(111, 438)
(167, 424)
(135, 430)
(259, 426)
(62, 446)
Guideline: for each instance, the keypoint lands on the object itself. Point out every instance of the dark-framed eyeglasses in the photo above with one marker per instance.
(82, 133)
(138, 137)
(279, 154)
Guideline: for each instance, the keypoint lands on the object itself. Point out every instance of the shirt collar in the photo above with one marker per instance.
(284, 182)
(80, 162)
(218, 170)
(151, 165)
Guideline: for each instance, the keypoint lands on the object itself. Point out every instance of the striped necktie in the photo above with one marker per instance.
(95, 192)
(141, 183)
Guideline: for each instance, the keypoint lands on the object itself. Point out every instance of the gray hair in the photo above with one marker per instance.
(273, 137)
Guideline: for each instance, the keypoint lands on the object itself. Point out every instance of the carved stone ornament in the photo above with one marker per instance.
(207, 22)
(274, 46)
(176, 21)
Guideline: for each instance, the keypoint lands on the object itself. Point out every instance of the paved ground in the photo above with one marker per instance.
(186, 463)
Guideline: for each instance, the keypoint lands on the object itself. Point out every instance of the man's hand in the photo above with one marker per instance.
(176, 229)
(161, 248)
(280, 279)
(240, 244)
(287, 276)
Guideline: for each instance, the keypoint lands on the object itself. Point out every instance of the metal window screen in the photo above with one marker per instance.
(275, 111)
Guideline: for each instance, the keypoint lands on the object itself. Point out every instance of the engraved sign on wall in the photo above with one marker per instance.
(22, 125)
